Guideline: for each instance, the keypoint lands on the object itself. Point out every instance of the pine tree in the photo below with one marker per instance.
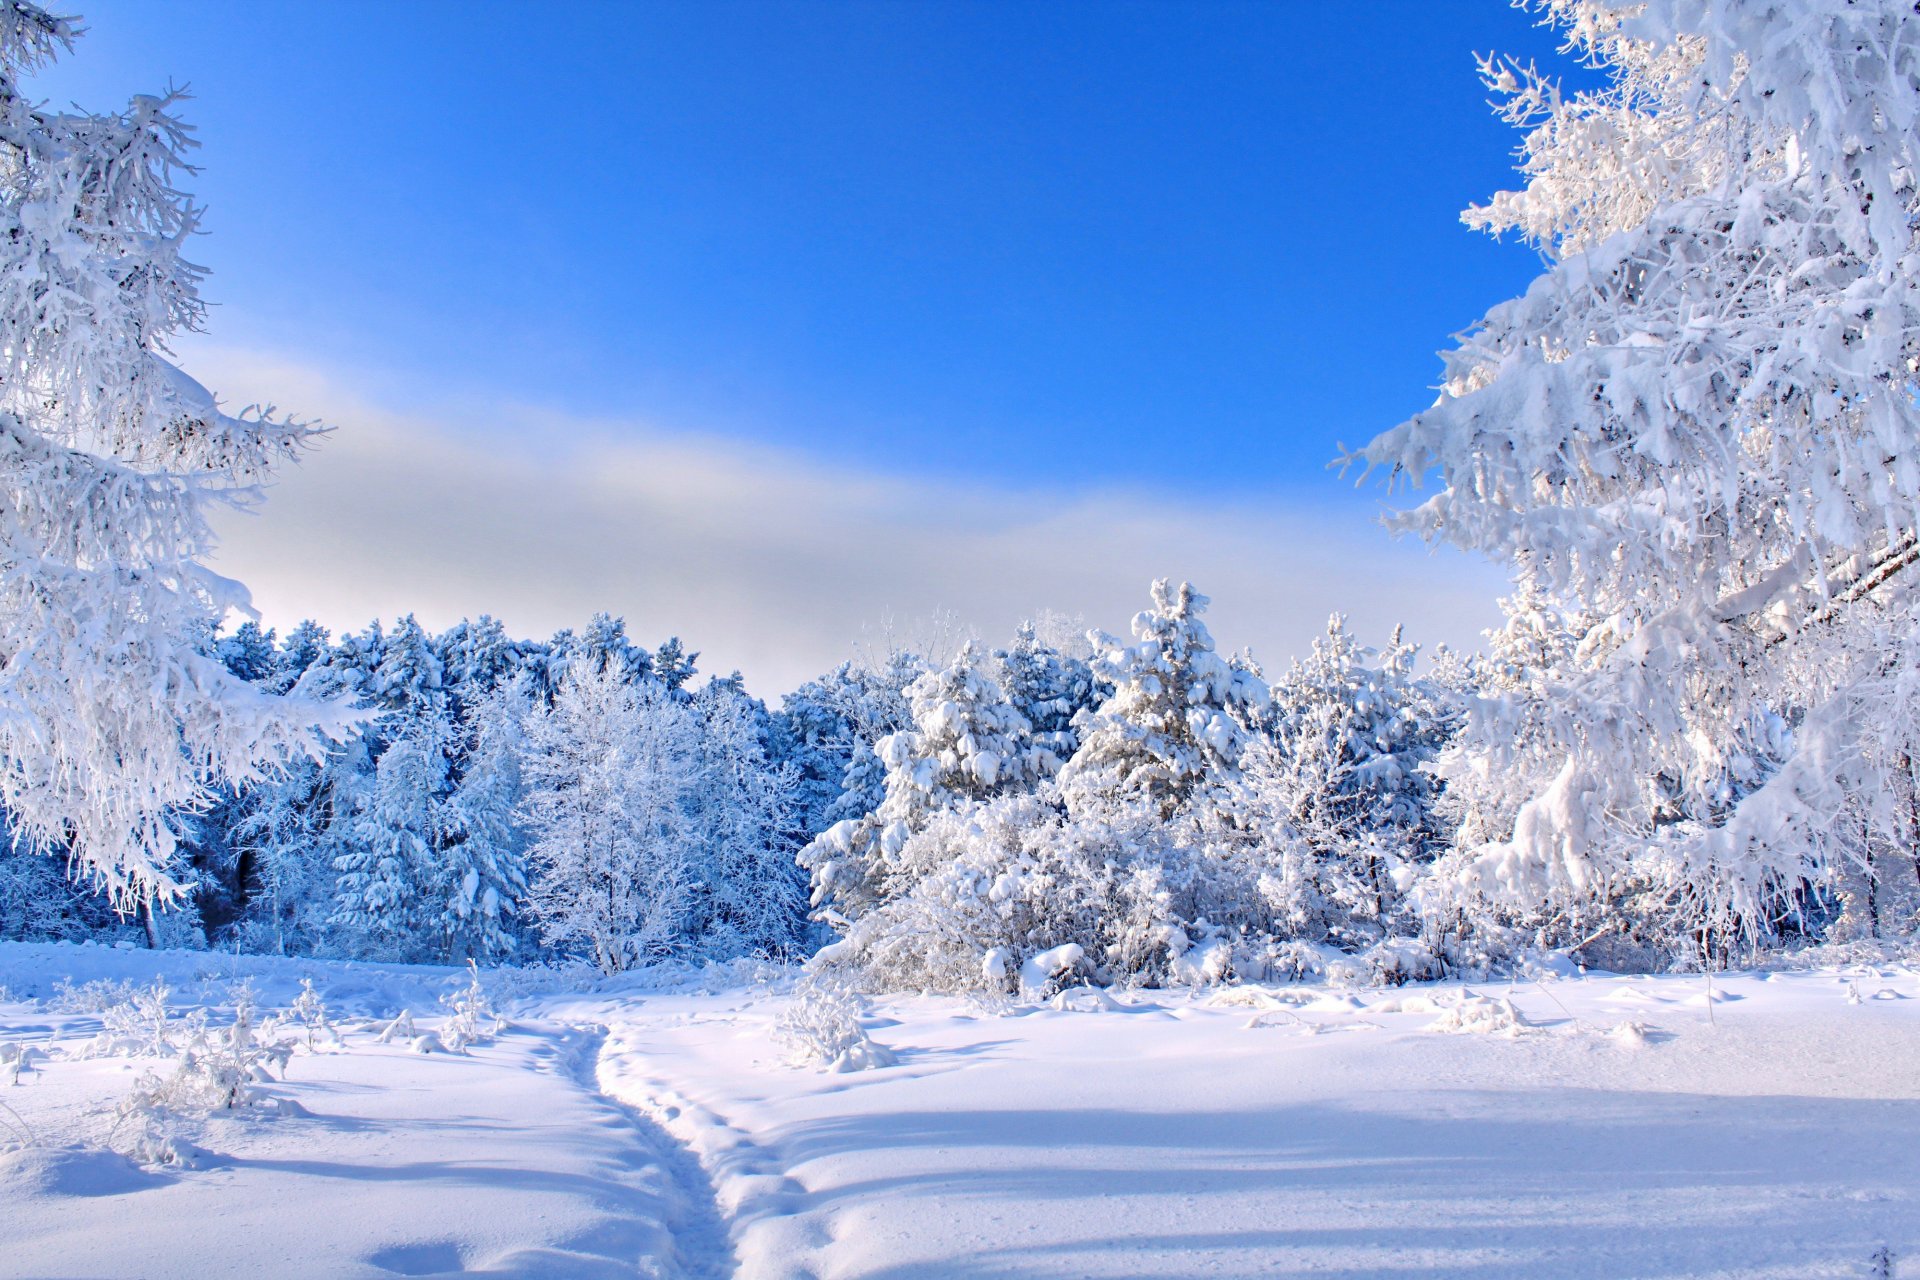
(966, 744)
(813, 735)
(1171, 731)
(673, 666)
(386, 906)
(482, 871)
(1050, 690)
(1341, 799)
(117, 723)
(477, 658)
(751, 896)
(248, 652)
(305, 646)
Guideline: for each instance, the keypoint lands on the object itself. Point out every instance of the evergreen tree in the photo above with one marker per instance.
(813, 735)
(477, 658)
(751, 897)
(1340, 797)
(966, 743)
(673, 666)
(483, 868)
(1170, 732)
(117, 722)
(386, 904)
(1050, 690)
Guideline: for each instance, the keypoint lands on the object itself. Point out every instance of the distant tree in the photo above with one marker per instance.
(750, 895)
(611, 771)
(1340, 797)
(482, 877)
(965, 743)
(1050, 689)
(387, 907)
(1171, 731)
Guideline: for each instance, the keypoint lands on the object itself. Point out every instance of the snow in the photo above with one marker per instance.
(1329, 1133)
(1761, 1124)
(504, 1160)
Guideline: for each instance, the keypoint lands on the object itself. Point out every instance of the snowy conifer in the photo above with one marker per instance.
(1174, 724)
(386, 904)
(1050, 689)
(751, 898)
(966, 744)
(115, 722)
(1340, 800)
(481, 876)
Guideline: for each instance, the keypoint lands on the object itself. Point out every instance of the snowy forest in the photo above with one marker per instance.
(1693, 741)
(1590, 950)
(1138, 809)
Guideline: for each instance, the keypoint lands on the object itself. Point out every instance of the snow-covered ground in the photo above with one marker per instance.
(1587, 1126)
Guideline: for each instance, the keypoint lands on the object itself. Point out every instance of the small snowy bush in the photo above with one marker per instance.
(821, 1027)
(470, 1017)
(218, 1069)
(310, 1011)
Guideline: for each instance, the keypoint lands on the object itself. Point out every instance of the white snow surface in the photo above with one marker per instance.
(1763, 1124)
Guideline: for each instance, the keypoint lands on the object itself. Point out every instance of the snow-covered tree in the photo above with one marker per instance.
(481, 876)
(1697, 433)
(1050, 689)
(478, 658)
(292, 828)
(115, 721)
(386, 906)
(1135, 865)
(408, 681)
(610, 772)
(829, 726)
(750, 897)
(673, 666)
(966, 744)
(1173, 726)
(810, 736)
(1339, 798)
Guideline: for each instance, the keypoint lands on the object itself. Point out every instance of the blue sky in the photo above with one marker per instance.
(1068, 249)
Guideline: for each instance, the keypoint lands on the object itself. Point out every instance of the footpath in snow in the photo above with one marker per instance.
(1766, 1125)
(1605, 1127)
(504, 1159)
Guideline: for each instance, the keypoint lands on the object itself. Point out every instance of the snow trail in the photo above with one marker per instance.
(1439, 1130)
(504, 1160)
(701, 1246)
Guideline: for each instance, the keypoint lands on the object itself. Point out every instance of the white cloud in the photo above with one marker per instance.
(765, 560)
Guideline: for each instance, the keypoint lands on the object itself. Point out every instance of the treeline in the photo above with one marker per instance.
(506, 800)
(1124, 810)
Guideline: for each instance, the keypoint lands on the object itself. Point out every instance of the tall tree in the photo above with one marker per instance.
(966, 743)
(750, 897)
(115, 722)
(1697, 431)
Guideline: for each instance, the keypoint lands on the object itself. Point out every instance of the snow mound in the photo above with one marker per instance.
(1629, 1035)
(1481, 1015)
(1040, 974)
(71, 1171)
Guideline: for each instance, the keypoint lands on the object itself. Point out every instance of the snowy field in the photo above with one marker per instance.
(1765, 1125)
